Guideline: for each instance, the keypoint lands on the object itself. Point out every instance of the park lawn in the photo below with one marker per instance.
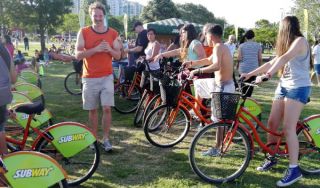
(136, 163)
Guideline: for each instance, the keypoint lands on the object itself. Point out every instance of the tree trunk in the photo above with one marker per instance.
(42, 39)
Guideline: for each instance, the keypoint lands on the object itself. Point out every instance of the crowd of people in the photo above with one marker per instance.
(209, 60)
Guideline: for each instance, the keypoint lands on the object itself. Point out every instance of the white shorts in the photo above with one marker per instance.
(97, 91)
(204, 87)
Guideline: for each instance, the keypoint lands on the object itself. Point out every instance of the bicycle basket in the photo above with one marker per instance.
(77, 66)
(172, 89)
(225, 105)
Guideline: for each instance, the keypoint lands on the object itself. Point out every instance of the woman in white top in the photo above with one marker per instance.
(151, 51)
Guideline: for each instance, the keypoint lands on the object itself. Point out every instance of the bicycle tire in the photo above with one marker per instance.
(74, 179)
(151, 106)
(123, 103)
(224, 167)
(154, 128)
(61, 184)
(140, 109)
(309, 154)
(73, 84)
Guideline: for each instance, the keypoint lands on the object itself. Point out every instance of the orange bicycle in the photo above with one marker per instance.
(168, 124)
(128, 93)
(235, 143)
(72, 144)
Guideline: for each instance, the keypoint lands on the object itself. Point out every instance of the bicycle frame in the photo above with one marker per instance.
(62, 136)
(184, 102)
(242, 113)
(22, 143)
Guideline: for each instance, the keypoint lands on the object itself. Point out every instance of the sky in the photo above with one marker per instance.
(242, 13)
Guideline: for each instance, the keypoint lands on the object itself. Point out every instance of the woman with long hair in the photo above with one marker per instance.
(292, 93)
(190, 48)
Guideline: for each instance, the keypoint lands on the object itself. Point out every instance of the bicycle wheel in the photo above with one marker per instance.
(166, 126)
(154, 103)
(79, 167)
(140, 109)
(73, 84)
(62, 184)
(309, 154)
(224, 166)
(126, 102)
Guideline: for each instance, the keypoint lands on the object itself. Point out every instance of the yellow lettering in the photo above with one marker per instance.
(36, 172)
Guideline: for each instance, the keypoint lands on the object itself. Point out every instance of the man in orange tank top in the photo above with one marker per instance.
(97, 45)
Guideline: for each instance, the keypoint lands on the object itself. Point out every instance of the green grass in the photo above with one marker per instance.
(136, 163)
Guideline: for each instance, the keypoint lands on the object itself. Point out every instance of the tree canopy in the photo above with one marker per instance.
(42, 14)
(313, 7)
(159, 10)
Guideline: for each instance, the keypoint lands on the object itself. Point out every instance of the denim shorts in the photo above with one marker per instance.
(317, 68)
(300, 94)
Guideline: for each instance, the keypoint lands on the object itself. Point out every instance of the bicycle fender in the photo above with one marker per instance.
(39, 119)
(30, 90)
(252, 106)
(70, 137)
(314, 127)
(32, 170)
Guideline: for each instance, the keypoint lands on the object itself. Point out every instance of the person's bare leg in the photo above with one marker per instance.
(275, 119)
(93, 121)
(106, 122)
(292, 113)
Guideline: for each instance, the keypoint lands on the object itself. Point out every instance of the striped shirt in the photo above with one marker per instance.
(250, 53)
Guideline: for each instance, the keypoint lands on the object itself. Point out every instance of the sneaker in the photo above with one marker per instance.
(107, 145)
(291, 176)
(212, 152)
(267, 164)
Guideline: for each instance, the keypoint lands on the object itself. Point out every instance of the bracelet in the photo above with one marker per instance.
(190, 63)
(199, 71)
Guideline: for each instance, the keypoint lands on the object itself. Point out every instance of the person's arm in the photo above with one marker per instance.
(115, 51)
(134, 50)
(172, 46)
(155, 51)
(82, 53)
(171, 53)
(215, 60)
(297, 48)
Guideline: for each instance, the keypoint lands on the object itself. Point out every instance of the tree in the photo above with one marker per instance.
(159, 10)
(42, 14)
(265, 32)
(116, 23)
(230, 30)
(70, 23)
(262, 23)
(313, 7)
(197, 14)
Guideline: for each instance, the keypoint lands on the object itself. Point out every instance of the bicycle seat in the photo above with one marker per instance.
(33, 108)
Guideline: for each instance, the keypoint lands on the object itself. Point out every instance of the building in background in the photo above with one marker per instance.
(117, 7)
(121, 7)
(76, 7)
